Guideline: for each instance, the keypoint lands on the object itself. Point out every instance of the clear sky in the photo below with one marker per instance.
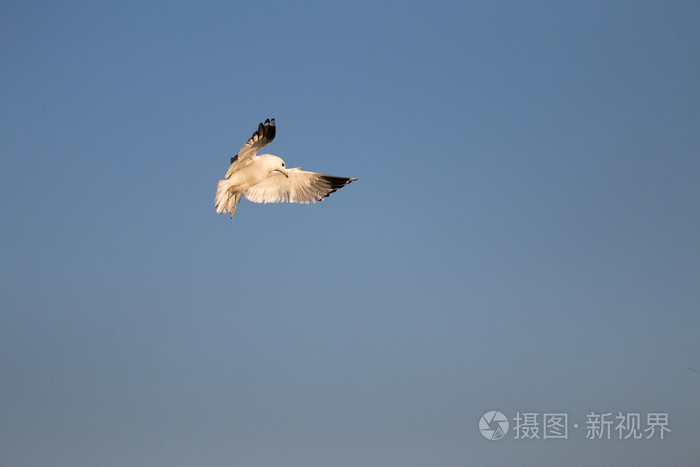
(523, 237)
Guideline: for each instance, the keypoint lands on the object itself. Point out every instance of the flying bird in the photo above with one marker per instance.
(263, 178)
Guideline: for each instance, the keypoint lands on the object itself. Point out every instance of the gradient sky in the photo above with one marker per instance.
(523, 236)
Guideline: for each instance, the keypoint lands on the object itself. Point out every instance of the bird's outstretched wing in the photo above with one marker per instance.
(262, 137)
(300, 187)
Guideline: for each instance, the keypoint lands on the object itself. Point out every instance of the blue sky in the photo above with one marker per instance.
(523, 235)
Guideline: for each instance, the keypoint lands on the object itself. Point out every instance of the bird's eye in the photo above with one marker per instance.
(282, 164)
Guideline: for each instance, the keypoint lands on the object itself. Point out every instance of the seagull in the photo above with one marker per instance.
(263, 178)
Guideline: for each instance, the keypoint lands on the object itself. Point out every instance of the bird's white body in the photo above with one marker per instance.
(258, 170)
(265, 179)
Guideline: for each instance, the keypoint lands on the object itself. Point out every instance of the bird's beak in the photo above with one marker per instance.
(284, 172)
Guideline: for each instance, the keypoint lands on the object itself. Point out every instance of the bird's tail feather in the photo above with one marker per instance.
(222, 196)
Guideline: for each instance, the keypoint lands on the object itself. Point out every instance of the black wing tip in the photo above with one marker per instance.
(338, 182)
(334, 184)
(266, 130)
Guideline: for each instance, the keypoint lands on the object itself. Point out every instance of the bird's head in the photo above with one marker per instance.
(280, 167)
(273, 164)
